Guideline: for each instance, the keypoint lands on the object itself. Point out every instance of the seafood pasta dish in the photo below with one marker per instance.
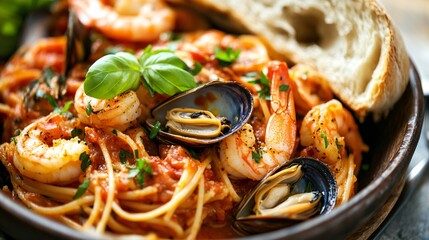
(145, 121)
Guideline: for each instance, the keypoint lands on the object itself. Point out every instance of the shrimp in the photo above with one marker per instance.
(46, 152)
(120, 112)
(311, 88)
(127, 20)
(331, 129)
(329, 133)
(238, 153)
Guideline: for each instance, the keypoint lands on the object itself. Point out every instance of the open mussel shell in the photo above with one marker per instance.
(78, 45)
(315, 174)
(226, 100)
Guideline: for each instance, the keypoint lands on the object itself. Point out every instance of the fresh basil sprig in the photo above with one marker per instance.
(161, 71)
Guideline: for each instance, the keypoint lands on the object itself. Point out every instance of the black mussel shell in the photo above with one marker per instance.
(316, 173)
(228, 99)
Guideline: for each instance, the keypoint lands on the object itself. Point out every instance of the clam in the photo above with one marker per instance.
(203, 115)
(300, 189)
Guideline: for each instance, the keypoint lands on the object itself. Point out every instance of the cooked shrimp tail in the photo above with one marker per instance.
(239, 153)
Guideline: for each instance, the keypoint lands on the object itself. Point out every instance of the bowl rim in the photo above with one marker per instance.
(43, 226)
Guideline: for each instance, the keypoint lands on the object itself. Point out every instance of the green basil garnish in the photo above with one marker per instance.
(112, 75)
(161, 71)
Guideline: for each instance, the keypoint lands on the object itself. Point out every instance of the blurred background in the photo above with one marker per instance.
(411, 17)
(13, 15)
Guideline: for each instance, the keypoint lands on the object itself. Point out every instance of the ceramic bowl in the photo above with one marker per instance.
(392, 142)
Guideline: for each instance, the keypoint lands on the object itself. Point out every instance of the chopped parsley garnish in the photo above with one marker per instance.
(283, 88)
(325, 139)
(89, 108)
(65, 109)
(140, 170)
(51, 100)
(227, 56)
(337, 143)
(256, 156)
(123, 155)
(136, 153)
(48, 74)
(155, 130)
(82, 188)
(197, 68)
(264, 92)
(76, 132)
(85, 161)
(193, 154)
(15, 134)
(114, 131)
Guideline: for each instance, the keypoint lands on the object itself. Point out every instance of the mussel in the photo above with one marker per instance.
(300, 189)
(78, 42)
(203, 115)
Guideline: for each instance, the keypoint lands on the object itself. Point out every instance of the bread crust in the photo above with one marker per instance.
(387, 64)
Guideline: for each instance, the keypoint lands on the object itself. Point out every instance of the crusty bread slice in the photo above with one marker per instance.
(352, 42)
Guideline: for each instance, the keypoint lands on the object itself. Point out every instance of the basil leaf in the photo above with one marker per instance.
(165, 57)
(112, 75)
(148, 53)
(168, 79)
